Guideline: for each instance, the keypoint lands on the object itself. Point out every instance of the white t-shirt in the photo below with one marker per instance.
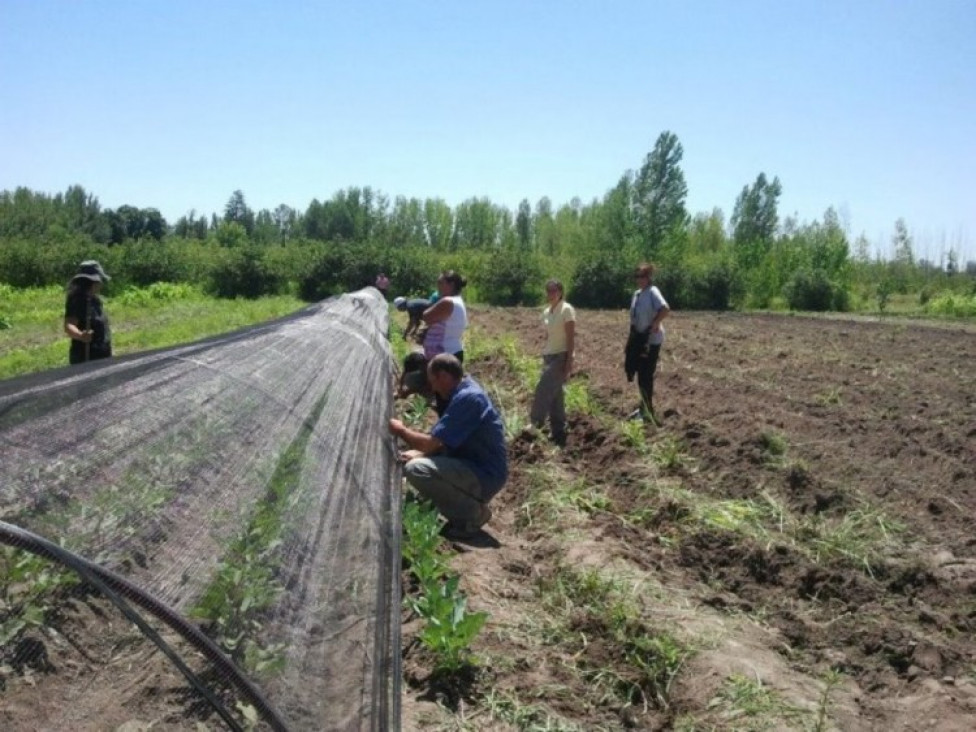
(643, 307)
(455, 325)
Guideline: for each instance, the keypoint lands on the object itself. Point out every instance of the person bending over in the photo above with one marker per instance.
(414, 308)
(413, 378)
(462, 463)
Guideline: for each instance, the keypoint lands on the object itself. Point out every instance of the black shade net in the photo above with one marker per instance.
(248, 485)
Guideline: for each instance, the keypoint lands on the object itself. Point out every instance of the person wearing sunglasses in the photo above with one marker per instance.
(647, 309)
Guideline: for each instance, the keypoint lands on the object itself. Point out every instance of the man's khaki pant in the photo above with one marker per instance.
(452, 487)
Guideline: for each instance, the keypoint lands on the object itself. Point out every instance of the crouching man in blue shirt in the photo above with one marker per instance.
(462, 463)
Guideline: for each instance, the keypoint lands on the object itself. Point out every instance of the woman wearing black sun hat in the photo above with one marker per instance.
(85, 321)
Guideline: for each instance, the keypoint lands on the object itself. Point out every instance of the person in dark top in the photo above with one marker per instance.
(85, 320)
(414, 307)
(413, 378)
(463, 462)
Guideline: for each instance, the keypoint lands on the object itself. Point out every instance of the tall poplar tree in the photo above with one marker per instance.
(659, 194)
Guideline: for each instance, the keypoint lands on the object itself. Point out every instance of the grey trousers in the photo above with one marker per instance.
(550, 395)
(450, 484)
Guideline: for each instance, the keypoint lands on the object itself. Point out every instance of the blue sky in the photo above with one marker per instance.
(869, 107)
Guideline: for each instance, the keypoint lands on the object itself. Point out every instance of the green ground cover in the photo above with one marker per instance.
(160, 315)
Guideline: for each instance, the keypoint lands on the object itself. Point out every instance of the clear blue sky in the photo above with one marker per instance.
(866, 106)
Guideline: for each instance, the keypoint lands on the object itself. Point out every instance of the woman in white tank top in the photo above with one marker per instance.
(450, 312)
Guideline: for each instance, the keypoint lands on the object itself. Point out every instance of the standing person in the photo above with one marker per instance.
(383, 284)
(647, 309)
(462, 463)
(452, 312)
(557, 363)
(85, 320)
(446, 321)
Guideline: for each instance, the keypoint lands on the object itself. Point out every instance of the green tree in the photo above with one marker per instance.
(476, 224)
(659, 194)
(438, 224)
(902, 265)
(545, 227)
(236, 211)
(754, 220)
(523, 225)
(406, 225)
(901, 243)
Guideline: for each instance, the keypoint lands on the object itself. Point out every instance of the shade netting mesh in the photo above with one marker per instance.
(248, 484)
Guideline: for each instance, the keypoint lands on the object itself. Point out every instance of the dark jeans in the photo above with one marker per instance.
(646, 366)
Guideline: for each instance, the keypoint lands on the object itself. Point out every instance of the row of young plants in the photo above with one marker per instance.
(434, 594)
(248, 580)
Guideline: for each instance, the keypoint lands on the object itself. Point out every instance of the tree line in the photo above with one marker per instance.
(754, 259)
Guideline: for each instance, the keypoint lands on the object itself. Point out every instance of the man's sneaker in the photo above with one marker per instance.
(458, 532)
(468, 529)
(484, 516)
(636, 416)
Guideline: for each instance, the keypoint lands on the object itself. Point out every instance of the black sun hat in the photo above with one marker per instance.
(91, 270)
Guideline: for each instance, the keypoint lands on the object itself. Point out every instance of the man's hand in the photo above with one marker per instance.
(407, 455)
(397, 427)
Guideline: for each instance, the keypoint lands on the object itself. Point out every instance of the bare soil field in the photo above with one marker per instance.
(852, 608)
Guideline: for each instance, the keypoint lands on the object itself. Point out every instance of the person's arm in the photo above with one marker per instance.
(73, 330)
(416, 440)
(439, 311)
(73, 327)
(660, 315)
(570, 326)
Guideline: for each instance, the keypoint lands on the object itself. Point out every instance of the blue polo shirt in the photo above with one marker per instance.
(471, 430)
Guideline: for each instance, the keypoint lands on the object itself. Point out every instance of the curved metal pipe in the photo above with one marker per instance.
(109, 583)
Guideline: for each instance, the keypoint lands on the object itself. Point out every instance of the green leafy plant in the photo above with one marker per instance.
(29, 590)
(449, 628)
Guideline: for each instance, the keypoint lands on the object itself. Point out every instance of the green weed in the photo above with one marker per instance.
(29, 591)
(748, 704)
(773, 446)
(668, 453)
(508, 709)
(830, 398)
(552, 498)
(832, 679)
(633, 434)
(651, 659)
(861, 536)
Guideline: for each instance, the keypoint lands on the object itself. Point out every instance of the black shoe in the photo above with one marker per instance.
(458, 532)
(469, 529)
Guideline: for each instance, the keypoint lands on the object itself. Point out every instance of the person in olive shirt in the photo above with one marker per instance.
(549, 400)
(85, 321)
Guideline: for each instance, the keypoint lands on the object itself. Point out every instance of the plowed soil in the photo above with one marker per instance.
(864, 426)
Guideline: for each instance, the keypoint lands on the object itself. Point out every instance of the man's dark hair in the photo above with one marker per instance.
(414, 361)
(446, 363)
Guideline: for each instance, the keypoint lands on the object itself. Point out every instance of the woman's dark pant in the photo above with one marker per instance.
(646, 366)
